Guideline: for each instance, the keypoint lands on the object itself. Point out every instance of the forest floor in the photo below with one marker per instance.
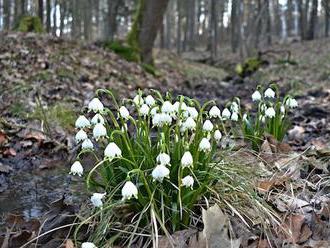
(45, 81)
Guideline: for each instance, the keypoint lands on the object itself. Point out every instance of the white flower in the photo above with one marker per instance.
(88, 245)
(99, 131)
(82, 122)
(234, 116)
(269, 93)
(167, 107)
(270, 112)
(282, 109)
(234, 107)
(161, 119)
(207, 126)
(154, 111)
(138, 100)
(129, 190)
(188, 181)
(87, 144)
(226, 114)
(123, 111)
(95, 105)
(150, 101)
(193, 113)
(217, 135)
(163, 159)
(215, 112)
(80, 136)
(189, 124)
(204, 145)
(76, 168)
(291, 103)
(97, 119)
(262, 118)
(256, 96)
(245, 118)
(144, 110)
(112, 151)
(160, 172)
(187, 160)
(96, 199)
(176, 106)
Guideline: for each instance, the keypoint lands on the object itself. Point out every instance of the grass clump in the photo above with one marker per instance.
(124, 51)
(30, 24)
(157, 162)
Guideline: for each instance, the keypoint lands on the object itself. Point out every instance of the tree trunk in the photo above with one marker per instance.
(145, 27)
(54, 29)
(76, 19)
(234, 25)
(313, 21)
(289, 16)
(111, 25)
(87, 19)
(48, 10)
(179, 27)
(214, 32)
(326, 6)
(63, 16)
(41, 10)
(268, 24)
(6, 12)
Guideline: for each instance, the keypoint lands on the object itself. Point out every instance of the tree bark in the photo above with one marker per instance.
(214, 32)
(234, 25)
(179, 27)
(6, 10)
(111, 25)
(313, 21)
(146, 26)
(326, 6)
(289, 16)
(48, 10)
(41, 10)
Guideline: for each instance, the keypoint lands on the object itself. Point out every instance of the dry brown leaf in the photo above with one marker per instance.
(295, 229)
(296, 133)
(3, 138)
(216, 229)
(69, 244)
(9, 152)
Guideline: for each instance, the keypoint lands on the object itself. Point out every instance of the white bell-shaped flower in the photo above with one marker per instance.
(262, 118)
(282, 109)
(207, 126)
(154, 111)
(234, 116)
(82, 122)
(150, 101)
(187, 160)
(167, 107)
(163, 158)
(177, 107)
(161, 119)
(160, 172)
(99, 131)
(245, 118)
(193, 113)
(204, 145)
(270, 112)
(129, 190)
(96, 199)
(144, 110)
(124, 113)
(291, 103)
(88, 245)
(112, 151)
(217, 135)
(256, 96)
(269, 93)
(226, 114)
(189, 124)
(95, 105)
(80, 136)
(188, 181)
(234, 107)
(87, 144)
(138, 100)
(215, 112)
(97, 119)
(76, 169)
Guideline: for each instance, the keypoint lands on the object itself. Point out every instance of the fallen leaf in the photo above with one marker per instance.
(9, 152)
(295, 229)
(296, 133)
(3, 138)
(216, 229)
(69, 244)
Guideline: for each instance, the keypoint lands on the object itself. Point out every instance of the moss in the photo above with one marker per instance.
(286, 62)
(61, 114)
(150, 69)
(124, 51)
(65, 73)
(30, 24)
(18, 109)
(133, 35)
(249, 66)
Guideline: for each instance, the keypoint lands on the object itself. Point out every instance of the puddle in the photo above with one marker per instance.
(30, 193)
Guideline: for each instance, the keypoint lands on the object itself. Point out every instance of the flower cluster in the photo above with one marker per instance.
(271, 116)
(151, 151)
